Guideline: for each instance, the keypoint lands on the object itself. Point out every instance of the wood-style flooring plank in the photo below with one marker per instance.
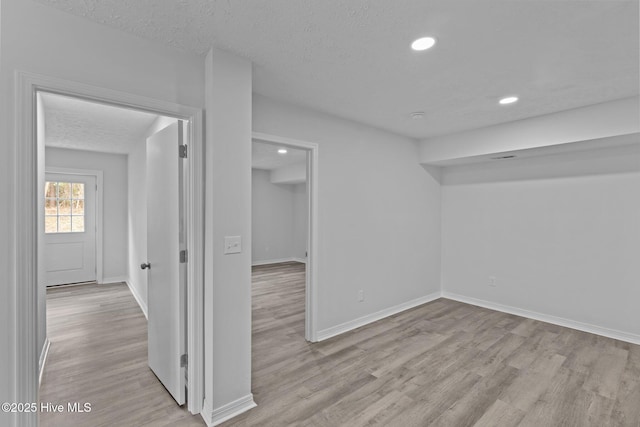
(444, 363)
(98, 355)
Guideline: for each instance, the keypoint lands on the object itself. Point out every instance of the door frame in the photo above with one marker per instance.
(311, 280)
(27, 85)
(99, 206)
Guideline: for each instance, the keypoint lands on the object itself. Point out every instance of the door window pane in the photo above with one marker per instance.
(51, 207)
(50, 190)
(64, 223)
(77, 223)
(64, 207)
(50, 224)
(77, 207)
(64, 190)
(78, 190)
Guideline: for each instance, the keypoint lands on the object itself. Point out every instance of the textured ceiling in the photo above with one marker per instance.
(352, 58)
(266, 156)
(83, 125)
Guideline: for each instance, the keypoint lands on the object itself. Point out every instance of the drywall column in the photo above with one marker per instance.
(227, 213)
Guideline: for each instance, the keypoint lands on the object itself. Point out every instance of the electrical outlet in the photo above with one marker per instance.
(492, 281)
(360, 295)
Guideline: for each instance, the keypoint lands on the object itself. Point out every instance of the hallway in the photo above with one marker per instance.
(98, 355)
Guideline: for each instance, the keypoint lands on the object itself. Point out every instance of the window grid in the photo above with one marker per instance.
(64, 207)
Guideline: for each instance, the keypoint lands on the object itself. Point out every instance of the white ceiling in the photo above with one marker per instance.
(352, 58)
(266, 156)
(82, 125)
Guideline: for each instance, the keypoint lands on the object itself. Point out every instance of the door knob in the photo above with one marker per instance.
(145, 266)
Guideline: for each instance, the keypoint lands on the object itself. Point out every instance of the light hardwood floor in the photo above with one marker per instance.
(98, 355)
(441, 364)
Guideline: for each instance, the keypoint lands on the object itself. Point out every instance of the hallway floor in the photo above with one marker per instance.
(98, 355)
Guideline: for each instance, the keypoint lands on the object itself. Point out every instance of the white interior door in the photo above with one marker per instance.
(166, 274)
(70, 229)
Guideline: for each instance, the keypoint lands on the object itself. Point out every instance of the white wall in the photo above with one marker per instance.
(42, 287)
(300, 221)
(137, 212)
(69, 47)
(114, 216)
(379, 213)
(561, 234)
(277, 213)
(290, 174)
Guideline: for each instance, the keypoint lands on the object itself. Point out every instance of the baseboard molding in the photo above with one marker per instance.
(138, 298)
(213, 417)
(277, 261)
(114, 279)
(560, 321)
(373, 317)
(43, 358)
(300, 260)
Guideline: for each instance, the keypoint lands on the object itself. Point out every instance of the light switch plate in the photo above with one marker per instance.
(232, 245)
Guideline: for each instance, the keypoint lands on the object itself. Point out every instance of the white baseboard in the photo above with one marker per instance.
(43, 358)
(300, 260)
(213, 417)
(277, 261)
(560, 321)
(114, 279)
(369, 318)
(138, 298)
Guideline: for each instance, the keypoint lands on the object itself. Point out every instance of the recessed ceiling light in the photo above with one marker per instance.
(417, 115)
(282, 151)
(508, 100)
(423, 43)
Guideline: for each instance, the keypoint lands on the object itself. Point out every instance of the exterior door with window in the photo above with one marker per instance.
(70, 228)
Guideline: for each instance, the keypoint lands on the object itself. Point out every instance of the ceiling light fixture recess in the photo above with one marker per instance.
(508, 100)
(417, 115)
(282, 151)
(423, 43)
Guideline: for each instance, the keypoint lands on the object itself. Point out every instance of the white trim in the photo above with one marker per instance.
(560, 321)
(373, 317)
(43, 358)
(26, 214)
(99, 209)
(277, 261)
(138, 298)
(113, 279)
(218, 416)
(300, 260)
(194, 215)
(311, 289)
(26, 247)
(207, 412)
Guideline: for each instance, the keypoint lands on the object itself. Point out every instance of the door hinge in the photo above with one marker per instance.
(182, 151)
(184, 360)
(183, 257)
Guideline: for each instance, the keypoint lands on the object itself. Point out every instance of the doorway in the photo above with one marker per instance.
(117, 142)
(303, 172)
(31, 162)
(71, 227)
